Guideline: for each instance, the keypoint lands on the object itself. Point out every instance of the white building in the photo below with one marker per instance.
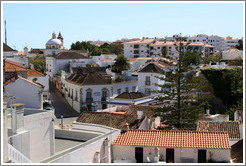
(153, 47)
(88, 88)
(30, 134)
(128, 98)
(137, 48)
(64, 60)
(212, 40)
(12, 55)
(54, 45)
(147, 77)
(25, 91)
(38, 77)
(153, 146)
(230, 43)
(171, 51)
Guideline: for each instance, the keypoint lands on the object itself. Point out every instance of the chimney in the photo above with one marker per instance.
(125, 128)
(140, 114)
(17, 121)
(207, 111)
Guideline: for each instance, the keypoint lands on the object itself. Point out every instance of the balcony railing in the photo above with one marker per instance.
(16, 156)
(147, 83)
(89, 100)
(103, 98)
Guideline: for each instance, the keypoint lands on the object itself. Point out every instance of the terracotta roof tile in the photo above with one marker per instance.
(70, 54)
(12, 66)
(130, 95)
(34, 73)
(174, 138)
(231, 127)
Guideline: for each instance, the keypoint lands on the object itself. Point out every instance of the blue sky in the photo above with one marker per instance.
(32, 24)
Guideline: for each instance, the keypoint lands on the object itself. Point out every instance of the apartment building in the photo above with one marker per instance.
(153, 47)
(138, 48)
(230, 43)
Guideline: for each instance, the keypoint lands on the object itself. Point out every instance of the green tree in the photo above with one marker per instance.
(227, 84)
(164, 51)
(183, 109)
(234, 108)
(89, 65)
(39, 65)
(212, 58)
(121, 63)
(240, 44)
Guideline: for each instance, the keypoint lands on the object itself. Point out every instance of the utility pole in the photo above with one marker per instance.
(5, 32)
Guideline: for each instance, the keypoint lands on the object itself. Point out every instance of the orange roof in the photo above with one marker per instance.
(119, 113)
(11, 66)
(8, 81)
(34, 73)
(20, 53)
(107, 60)
(174, 138)
(144, 41)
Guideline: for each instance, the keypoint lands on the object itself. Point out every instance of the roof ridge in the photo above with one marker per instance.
(31, 82)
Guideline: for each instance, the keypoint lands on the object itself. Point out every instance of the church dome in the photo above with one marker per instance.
(54, 42)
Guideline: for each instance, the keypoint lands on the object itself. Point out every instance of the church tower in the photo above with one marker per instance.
(60, 37)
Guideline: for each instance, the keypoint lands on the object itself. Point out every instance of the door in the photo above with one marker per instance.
(169, 155)
(202, 156)
(139, 155)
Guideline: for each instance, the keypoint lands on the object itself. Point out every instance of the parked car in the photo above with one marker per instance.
(47, 106)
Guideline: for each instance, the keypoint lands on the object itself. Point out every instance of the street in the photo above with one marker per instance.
(60, 104)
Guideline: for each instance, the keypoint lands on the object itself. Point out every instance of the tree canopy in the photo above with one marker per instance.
(183, 108)
(121, 63)
(94, 50)
(240, 44)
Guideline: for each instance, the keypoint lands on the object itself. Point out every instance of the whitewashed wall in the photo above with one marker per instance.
(42, 80)
(153, 81)
(128, 152)
(42, 135)
(25, 92)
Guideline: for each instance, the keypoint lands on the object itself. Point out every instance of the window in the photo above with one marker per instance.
(136, 46)
(88, 94)
(126, 89)
(118, 91)
(136, 51)
(69, 92)
(72, 95)
(134, 88)
(76, 95)
(147, 80)
(158, 48)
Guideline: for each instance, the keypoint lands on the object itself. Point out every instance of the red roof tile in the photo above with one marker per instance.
(12, 66)
(34, 73)
(174, 138)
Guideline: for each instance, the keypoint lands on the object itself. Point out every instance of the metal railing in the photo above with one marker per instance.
(16, 156)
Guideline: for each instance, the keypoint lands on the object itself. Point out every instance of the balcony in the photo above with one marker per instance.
(89, 100)
(103, 98)
(147, 82)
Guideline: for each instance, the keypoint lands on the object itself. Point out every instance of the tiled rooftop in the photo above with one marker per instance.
(231, 127)
(173, 138)
(34, 73)
(13, 66)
